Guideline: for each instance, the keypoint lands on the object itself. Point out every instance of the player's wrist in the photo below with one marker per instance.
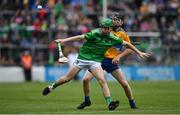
(56, 40)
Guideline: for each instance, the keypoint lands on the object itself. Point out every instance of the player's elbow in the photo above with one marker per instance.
(126, 43)
(86, 80)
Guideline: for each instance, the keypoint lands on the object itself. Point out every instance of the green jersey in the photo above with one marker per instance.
(96, 45)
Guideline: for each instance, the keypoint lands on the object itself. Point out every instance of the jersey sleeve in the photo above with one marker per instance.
(123, 35)
(126, 38)
(89, 36)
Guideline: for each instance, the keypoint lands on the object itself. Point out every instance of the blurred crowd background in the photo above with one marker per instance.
(154, 23)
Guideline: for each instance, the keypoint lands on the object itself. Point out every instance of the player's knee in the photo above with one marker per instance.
(86, 80)
(102, 81)
(125, 85)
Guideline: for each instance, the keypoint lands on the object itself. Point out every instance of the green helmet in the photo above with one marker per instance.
(106, 23)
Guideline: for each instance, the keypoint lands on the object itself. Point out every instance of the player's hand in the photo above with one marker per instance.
(116, 60)
(144, 55)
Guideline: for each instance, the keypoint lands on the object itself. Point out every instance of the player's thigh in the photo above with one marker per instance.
(73, 72)
(98, 73)
(119, 76)
(88, 76)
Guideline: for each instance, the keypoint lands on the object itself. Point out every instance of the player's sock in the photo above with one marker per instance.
(108, 100)
(85, 103)
(53, 85)
(86, 98)
(132, 104)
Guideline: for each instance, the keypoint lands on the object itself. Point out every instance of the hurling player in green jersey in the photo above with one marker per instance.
(90, 56)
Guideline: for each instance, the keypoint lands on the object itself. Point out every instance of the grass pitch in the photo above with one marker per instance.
(151, 97)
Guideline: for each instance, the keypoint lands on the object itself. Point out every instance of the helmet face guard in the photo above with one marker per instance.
(116, 16)
(117, 19)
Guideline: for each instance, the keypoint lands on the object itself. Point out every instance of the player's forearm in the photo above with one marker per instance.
(125, 53)
(132, 47)
(74, 38)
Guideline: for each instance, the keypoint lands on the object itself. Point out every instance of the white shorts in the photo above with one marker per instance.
(85, 64)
